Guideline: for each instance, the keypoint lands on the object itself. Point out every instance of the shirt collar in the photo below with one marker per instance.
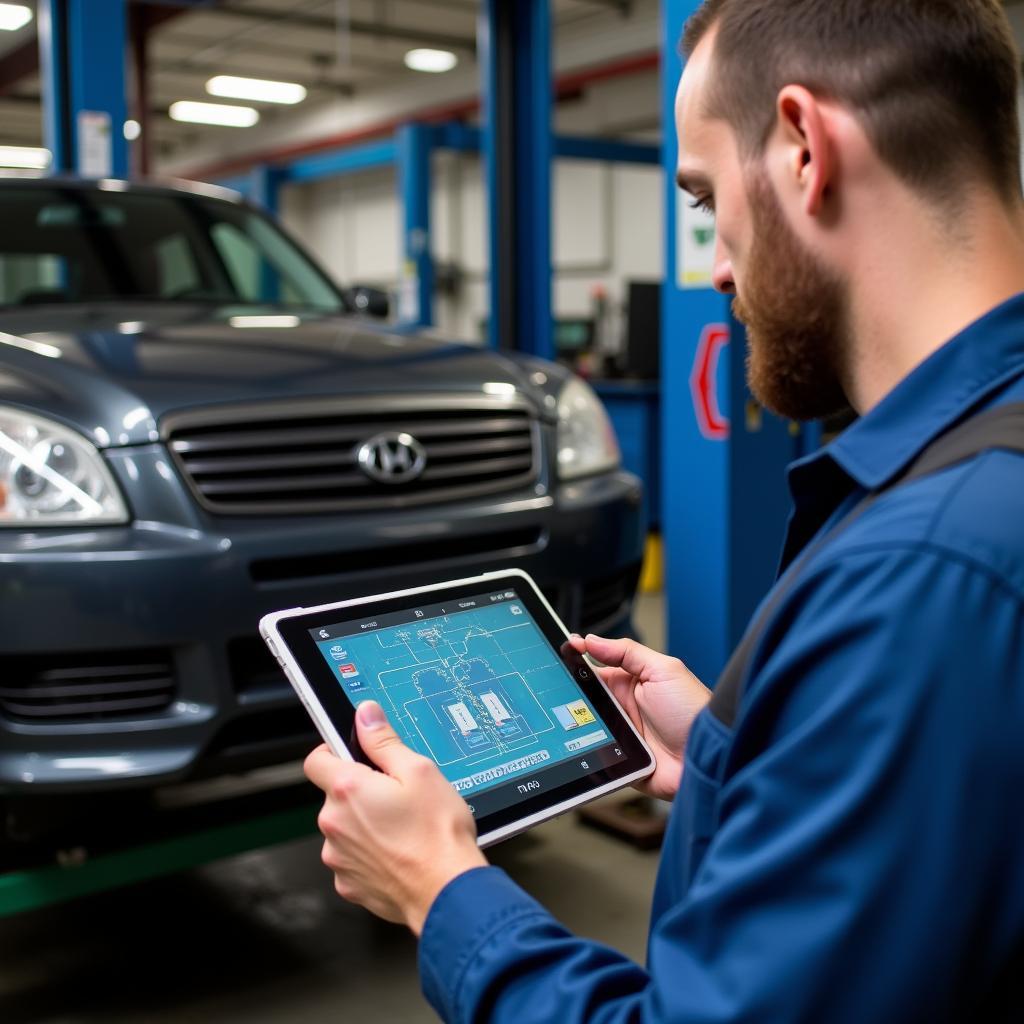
(964, 372)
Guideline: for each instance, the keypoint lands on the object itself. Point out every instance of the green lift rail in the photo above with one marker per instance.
(36, 887)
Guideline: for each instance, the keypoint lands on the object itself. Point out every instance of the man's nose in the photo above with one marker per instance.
(721, 276)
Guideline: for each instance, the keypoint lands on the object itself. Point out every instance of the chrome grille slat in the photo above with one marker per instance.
(341, 435)
(248, 463)
(216, 442)
(282, 484)
(302, 458)
(446, 449)
(477, 468)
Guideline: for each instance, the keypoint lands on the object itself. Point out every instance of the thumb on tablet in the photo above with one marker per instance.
(381, 744)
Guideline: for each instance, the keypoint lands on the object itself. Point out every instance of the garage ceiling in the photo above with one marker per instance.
(332, 47)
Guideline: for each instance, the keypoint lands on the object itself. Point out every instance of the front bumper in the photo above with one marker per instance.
(182, 596)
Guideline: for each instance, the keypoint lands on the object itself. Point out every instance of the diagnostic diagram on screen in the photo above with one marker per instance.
(480, 692)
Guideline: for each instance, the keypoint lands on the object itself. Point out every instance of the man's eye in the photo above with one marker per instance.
(703, 204)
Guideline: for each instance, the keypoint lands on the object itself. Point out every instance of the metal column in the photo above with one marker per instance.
(262, 187)
(515, 56)
(724, 498)
(413, 148)
(82, 60)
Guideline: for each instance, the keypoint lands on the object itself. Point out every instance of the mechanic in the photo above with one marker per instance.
(846, 841)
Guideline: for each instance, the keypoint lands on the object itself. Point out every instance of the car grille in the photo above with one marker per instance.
(303, 458)
(89, 687)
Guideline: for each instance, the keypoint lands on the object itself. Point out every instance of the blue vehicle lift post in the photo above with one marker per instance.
(724, 497)
(82, 55)
(413, 145)
(515, 61)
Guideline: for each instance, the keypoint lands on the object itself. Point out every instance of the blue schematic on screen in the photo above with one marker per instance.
(479, 691)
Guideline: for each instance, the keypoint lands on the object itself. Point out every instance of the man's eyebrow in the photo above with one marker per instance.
(692, 182)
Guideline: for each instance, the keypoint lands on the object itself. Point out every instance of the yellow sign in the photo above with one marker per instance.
(582, 714)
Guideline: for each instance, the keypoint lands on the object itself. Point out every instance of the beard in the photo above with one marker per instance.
(796, 312)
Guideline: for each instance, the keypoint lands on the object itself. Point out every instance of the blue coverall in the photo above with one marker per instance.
(852, 849)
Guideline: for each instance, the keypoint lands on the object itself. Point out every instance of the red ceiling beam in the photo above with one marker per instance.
(19, 63)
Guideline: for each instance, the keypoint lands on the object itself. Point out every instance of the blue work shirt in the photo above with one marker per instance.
(852, 849)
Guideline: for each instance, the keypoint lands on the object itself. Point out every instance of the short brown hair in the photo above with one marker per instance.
(934, 82)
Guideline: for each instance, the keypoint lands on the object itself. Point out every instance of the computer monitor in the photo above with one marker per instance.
(573, 335)
(643, 331)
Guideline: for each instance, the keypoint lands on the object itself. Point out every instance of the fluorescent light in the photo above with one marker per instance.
(214, 113)
(264, 321)
(13, 16)
(259, 89)
(24, 156)
(431, 60)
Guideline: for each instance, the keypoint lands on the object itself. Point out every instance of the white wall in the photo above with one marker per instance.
(606, 227)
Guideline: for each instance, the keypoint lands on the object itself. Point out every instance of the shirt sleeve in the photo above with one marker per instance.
(864, 866)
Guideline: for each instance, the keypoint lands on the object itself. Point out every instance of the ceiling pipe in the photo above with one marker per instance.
(566, 85)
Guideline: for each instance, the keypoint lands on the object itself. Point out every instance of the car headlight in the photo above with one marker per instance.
(586, 438)
(51, 476)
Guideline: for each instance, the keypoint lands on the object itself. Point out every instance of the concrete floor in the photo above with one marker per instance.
(263, 938)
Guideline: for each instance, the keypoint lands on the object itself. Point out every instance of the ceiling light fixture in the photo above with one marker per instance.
(13, 16)
(24, 156)
(434, 61)
(214, 113)
(258, 89)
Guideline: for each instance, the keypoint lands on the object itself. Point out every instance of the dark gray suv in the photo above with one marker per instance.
(195, 430)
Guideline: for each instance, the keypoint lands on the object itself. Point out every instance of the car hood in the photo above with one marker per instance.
(114, 372)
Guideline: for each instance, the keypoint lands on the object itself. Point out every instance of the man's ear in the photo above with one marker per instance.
(810, 157)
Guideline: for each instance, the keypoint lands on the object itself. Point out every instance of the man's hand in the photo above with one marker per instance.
(394, 838)
(660, 694)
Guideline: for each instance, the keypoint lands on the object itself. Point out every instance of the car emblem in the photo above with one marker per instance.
(393, 458)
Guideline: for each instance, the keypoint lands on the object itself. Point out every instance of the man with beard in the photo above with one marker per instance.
(846, 842)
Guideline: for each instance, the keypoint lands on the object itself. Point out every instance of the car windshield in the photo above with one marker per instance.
(64, 244)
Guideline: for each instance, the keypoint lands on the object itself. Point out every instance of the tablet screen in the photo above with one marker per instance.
(474, 684)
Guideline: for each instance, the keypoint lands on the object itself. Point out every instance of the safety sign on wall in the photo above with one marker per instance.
(95, 144)
(713, 424)
(695, 245)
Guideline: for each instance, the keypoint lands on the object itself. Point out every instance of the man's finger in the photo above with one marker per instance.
(636, 659)
(321, 766)
(381, 744)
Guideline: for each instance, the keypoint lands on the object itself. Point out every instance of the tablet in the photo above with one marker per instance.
(477, 675)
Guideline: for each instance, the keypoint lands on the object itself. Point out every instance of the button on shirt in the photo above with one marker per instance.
(852, 848)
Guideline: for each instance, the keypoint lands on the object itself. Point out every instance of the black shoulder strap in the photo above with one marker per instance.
(1002, 427)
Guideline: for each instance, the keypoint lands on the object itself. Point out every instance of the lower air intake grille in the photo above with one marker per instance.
(58, 688)
(351, 454)
(604, 598)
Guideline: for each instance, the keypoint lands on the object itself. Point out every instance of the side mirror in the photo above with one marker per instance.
(368, 301)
